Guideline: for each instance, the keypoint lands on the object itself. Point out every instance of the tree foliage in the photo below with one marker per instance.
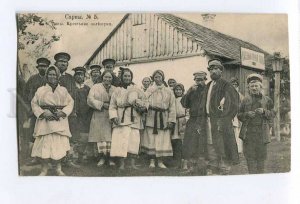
(36, 35)
(26, 36)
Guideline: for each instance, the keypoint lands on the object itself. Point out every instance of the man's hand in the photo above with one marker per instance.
(259, 111)
(194, 87)
(26, 124)
(105, 105)
(251, 114)
(170, 125)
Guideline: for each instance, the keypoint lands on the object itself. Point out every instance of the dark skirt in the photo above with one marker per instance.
(194, 142)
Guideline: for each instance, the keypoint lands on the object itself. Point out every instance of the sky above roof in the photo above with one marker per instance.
(267, 31)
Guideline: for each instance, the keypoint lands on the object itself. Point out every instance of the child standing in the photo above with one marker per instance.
(178, 132)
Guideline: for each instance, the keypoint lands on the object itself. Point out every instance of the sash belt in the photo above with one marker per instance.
(131, 114)
(161, 119)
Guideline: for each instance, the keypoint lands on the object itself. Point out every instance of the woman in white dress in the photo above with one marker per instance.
(126, 107)
(100, 127)
(161, 119)
(52, 104)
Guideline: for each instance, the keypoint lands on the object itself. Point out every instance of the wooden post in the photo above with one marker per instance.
(277, 106)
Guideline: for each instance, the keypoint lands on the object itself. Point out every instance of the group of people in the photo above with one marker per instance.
(110, 117)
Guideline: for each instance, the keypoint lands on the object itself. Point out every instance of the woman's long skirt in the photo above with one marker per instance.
(52, 146)
(157, 145)
(124, 140)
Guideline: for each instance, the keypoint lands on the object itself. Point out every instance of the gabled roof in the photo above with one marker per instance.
(211, 41)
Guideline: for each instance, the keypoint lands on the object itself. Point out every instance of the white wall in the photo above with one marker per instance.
(180, 69)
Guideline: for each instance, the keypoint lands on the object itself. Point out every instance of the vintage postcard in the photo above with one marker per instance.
(152, 94)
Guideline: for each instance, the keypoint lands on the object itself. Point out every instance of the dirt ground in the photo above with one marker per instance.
(278, 161)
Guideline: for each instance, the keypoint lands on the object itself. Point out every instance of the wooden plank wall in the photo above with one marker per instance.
(143, 36)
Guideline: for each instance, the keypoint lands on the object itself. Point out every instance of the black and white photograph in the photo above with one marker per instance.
(152, 94)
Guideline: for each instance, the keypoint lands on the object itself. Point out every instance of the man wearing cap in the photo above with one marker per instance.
(95, 74)
(79, 125)
(109, 64)
(194, 142)
(222, 102)
(61, 62)
(37, 80)
(256, 111)
(33, 83)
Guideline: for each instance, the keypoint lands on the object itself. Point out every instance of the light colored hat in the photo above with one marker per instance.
(200, 73)
(254, 76)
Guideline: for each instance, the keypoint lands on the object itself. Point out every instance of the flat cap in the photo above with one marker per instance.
(43, 61)
(62, 56)
(95, 66)
(200, 73)
(79, 69)
(215, 62)
(254, 76)
(108, 61)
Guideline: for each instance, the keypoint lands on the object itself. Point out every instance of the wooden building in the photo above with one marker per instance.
(147, 41)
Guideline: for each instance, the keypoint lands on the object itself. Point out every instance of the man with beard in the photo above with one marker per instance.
(194, 141)
(95, 74)
(222, 102)
(33, 83)
(109, 64)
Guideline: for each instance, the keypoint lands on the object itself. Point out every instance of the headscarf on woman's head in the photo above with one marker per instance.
(143, 87)
(146, 78)
(52, 68)
(105, 72)
(57, 76)
(179, 85)
(123, 70)
(160, 72)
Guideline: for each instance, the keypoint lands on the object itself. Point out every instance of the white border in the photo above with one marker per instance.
(273, 188)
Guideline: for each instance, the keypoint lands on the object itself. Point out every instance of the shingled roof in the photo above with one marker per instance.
(212, 41)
